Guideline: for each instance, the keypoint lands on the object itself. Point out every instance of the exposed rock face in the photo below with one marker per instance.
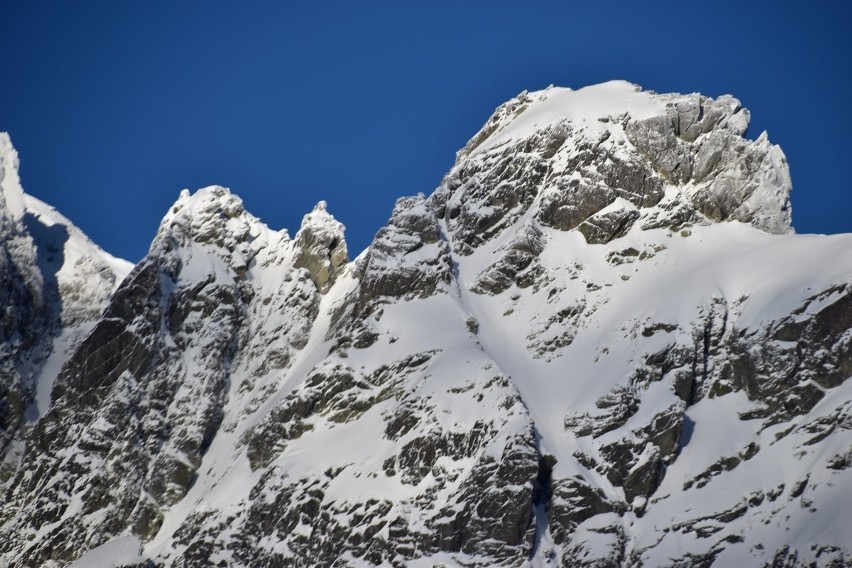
(24, 316)
(322, 249)
(54, 283)
(408, 257)
(586, 348)
(567, 167)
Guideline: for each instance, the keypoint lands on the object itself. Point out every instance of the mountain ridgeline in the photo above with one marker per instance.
(598, 343)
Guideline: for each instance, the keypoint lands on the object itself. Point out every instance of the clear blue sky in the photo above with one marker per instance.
(115, 107)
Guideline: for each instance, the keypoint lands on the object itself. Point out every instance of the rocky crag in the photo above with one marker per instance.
(597, 343)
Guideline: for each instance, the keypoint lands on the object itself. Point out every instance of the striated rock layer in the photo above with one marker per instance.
(597, 343)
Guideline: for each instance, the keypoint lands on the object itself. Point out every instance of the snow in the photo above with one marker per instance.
(321, 219)
(78, 248)
(84, 275)
(63, 347)
(10, 182)
(584, 107)
(116, 552)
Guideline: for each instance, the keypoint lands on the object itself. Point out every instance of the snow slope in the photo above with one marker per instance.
(85, 277)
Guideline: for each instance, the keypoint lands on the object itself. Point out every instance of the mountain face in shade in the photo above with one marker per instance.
(597, 343)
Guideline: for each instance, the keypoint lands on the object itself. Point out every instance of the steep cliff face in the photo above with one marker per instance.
(596, 343)
(55, 282)
(22, 295)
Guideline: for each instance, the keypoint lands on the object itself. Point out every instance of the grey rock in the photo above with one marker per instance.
(603, 227)
(321, 247)
(515, 259)
(657, 139)
(408, 257)
(574, 501)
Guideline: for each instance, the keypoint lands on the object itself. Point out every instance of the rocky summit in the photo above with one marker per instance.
(598, 343)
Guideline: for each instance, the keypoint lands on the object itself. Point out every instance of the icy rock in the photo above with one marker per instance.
(516, 264)
(609, 224)
(321, 246)
(751, 184)
(212, 215)
(23, 322)
(169, 420)
(574, 501)
(407, 258)
(12, 194)
(789, 367)
(656, 138)
(53, 283)
(568, 163)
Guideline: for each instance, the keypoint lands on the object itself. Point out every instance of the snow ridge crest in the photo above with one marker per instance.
(569, 154)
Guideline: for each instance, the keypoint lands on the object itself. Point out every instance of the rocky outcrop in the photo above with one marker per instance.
(408, 258)
(322, 249)
(570, 169)
(139, 402)
(609, 223)
(517, 265)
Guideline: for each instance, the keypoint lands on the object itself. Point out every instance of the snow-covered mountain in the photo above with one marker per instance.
(55, 284)
(597, 343)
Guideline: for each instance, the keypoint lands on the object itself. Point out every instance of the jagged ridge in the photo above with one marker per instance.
(569, 354)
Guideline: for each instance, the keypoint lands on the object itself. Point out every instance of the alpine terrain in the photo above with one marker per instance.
(597, 343)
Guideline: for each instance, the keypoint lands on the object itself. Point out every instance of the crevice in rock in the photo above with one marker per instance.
(542, 494)
(701, 360)
(705, 361)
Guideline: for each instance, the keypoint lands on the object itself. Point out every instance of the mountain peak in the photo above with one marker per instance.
(212, 215)
(592, 106)
(564, 155)
(319, 217)
(10, 184)
(213, 200)
(321, 245)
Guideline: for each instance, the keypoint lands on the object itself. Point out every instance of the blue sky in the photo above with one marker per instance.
(115, 107)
